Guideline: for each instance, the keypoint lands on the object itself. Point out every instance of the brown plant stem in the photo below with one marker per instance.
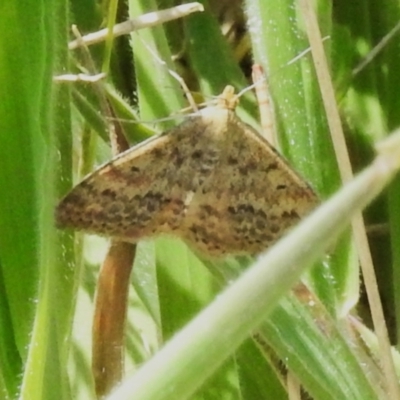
(110, 316)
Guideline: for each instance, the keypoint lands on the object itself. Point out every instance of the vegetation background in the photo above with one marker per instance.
(319, 346)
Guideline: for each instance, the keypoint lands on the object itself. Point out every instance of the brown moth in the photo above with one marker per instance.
(212, 181)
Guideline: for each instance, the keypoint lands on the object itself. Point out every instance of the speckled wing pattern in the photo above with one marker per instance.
(250, 200)
(213, 181)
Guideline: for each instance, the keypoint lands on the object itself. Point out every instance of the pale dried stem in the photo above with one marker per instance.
(264, 104)
(80, 78)
(144, 21)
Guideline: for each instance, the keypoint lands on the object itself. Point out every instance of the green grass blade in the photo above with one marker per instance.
(302, 128)
(38, 288)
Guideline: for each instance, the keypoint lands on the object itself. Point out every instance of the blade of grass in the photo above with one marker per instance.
(47, 115)
(19, 132)
(302, 129)
(358, 225)
(319, 352)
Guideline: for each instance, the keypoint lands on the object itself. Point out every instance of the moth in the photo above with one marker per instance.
(213, 181)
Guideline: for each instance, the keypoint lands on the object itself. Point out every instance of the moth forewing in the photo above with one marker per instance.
(212, 180)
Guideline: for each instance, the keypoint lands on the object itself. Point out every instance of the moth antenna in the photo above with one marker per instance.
(174, 74)
(376, 50)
